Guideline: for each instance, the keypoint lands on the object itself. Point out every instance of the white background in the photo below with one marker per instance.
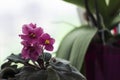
(54, 16)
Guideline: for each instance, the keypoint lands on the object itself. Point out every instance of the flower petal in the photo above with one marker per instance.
(32, 25)
(49, 47)
(41, 41)
(24, 43)
(24, 37)
(34, 56)
(26, 29)
(38, 31)
(25, 55)
(52, 41)
(45, 36)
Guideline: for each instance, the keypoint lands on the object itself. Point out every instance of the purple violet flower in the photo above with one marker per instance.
(47, 42)
(35, 41)
(31, 51)
(31, 33)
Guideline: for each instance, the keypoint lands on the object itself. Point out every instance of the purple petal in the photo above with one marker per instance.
(33, 41)
(38, 31)
(26, 29)
(32, 25)
(24, 43)
(24, 37)
(52, 41)
(41, 41)
(39, 50)
(25, 55)
(45, 36)
(49, 47)
(34, 56)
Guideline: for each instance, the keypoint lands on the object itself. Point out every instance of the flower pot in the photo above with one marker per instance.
(102, 62)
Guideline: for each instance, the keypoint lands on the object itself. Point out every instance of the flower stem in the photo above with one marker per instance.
(35, 64)
(89, 13)
(27, 64)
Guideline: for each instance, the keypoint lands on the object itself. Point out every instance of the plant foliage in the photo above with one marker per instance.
(104, 17)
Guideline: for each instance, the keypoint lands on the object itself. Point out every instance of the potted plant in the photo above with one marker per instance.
(33, 63)
(92, 48)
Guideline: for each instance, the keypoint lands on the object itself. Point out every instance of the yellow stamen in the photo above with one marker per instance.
(32, 35)
(47, 42)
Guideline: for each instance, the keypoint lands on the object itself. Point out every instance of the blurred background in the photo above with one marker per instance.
(54, 16)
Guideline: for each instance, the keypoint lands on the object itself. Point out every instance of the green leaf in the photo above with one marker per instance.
(66, 44)
(66, 71)
(76, 2)
(75, 44)
(47, 56)
(16, 58)
(6, 64)
(101, 4)
(114, 22)
(114, 7)
(113, 10)
(7, 73)
(52, 74)
(80, 45)
(30, 73)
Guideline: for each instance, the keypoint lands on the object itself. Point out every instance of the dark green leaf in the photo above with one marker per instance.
(16, 58)
(114, 22)
(113, 7)
(102, 8)
(7, 72)
(30, 73)
(81, 3)
(112, 11)
(66, 71)
(47, 56)
(14, 66)
(52, 74)
(6, 64)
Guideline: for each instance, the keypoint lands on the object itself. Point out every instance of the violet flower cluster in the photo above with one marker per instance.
(35, 41)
